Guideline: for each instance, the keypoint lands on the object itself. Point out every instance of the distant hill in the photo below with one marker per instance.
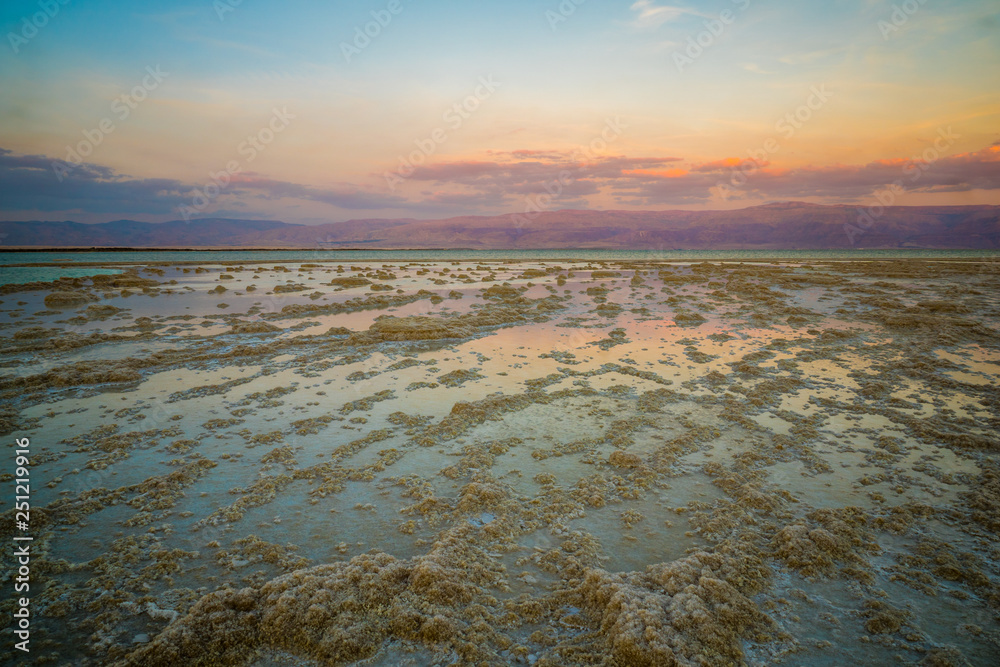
(177, 233)
(789, 225)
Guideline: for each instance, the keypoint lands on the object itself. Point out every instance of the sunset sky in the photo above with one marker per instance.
(160, 110)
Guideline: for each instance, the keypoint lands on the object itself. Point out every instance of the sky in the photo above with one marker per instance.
(322, 111)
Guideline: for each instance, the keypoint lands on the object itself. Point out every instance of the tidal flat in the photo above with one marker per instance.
(535, 462)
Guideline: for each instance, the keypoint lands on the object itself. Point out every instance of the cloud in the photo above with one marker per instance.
(649, 15)
(755, 68)
(501, 183)
(346, 197)
(32, 183)
(511, 176)
(724, 164)
(962, 172)
(804, 58)
(8, 160)
(29, 182)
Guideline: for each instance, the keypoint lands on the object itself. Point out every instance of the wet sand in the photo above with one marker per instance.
(550, 463)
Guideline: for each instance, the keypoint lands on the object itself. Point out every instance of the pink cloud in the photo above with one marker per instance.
(651, 181)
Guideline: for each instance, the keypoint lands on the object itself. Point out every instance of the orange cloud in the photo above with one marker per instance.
(727, 163)
(891, 162)
(657, 173)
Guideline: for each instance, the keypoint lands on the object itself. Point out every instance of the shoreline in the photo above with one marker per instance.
(461, 248)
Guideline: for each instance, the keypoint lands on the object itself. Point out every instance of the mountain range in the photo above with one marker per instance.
(785, 225)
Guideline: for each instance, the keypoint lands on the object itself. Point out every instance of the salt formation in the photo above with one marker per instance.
(604, 463)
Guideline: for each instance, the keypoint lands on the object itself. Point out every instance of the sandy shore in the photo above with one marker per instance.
(550, 463)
